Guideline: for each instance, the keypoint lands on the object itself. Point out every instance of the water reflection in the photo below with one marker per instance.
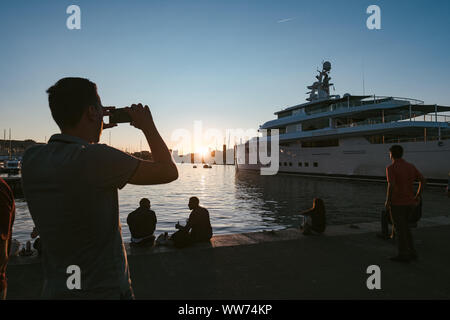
(246, 201)
(282, 196)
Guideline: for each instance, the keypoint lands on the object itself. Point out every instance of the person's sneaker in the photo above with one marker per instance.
(402, 259)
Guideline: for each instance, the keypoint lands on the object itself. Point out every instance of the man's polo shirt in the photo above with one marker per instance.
(402, 175)
(71, 190)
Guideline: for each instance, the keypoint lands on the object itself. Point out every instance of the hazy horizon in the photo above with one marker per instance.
(229, 64)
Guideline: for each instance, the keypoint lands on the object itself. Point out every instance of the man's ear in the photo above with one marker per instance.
(92, 113)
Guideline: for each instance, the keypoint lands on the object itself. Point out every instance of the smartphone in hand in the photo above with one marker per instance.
(119, 116)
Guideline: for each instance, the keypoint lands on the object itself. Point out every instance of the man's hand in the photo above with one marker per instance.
(141, 117)
(107, 113)
(387, 205)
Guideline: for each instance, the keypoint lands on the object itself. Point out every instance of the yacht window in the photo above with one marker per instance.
(306, 164)
(316, 164)
(320, 143)
(299, 164)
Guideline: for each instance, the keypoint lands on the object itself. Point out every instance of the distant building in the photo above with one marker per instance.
(144, 155)
(15, 148)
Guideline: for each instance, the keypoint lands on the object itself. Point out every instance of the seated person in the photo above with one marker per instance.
(314, 218)
(142, 224)
(198, 227)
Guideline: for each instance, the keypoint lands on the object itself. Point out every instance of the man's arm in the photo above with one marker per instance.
(3, 263)
(307, 212)
(188, 225)
(422, 182)
(162, 169)
(390, 187)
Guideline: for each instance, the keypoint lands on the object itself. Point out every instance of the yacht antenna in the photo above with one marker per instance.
(363, 80)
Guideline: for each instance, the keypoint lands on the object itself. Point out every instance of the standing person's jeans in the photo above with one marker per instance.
(400, 216)
(385, 221)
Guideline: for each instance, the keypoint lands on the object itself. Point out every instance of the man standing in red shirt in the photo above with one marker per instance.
(7, 213)
(401, 200)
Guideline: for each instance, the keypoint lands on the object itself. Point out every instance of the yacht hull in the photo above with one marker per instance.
(358, 159)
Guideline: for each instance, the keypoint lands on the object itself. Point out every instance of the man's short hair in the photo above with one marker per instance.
(144, 201)
(396, 151)
(68, 98)
(194, 200)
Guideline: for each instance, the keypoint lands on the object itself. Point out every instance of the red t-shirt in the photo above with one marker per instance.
(402, 175)
(7, 210)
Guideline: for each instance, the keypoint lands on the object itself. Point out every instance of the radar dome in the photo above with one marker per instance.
(327, 65)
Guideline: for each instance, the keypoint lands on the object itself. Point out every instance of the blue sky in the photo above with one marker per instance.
(230, 64)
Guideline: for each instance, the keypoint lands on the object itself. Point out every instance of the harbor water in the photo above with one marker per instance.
(247, 202)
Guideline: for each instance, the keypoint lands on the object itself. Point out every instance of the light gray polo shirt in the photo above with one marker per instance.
(71, 190)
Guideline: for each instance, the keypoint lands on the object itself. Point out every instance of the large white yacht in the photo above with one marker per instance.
(350, 136)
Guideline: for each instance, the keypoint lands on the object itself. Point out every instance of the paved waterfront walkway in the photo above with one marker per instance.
(279, 265)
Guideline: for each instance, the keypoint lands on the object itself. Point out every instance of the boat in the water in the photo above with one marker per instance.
(350, 136)
(12, 166)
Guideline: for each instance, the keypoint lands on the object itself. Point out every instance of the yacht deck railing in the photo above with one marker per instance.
(421, 118)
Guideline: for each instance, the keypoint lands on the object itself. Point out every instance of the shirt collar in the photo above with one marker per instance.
(399, 160)
(66, 138)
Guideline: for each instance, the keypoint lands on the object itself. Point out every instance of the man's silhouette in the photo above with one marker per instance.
(71, 183)
(401, 200)
(142, 224)
(198, 227)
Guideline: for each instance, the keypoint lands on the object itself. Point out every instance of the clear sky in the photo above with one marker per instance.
(228, 63)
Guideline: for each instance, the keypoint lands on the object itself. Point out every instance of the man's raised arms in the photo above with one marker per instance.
(162, 169)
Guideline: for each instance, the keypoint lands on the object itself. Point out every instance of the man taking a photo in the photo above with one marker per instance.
(71, 184)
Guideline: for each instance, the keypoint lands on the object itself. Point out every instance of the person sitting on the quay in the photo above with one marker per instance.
(314, 218)
(197, 229)
(71, 186)
(7, 215)
(142, 224)
(401, 200)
